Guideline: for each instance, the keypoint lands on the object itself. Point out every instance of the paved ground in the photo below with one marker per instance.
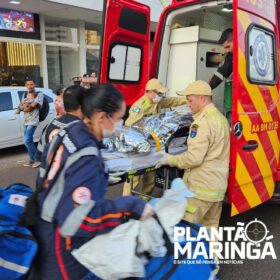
(12, 171)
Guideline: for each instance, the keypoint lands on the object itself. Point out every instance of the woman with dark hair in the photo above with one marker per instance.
(81, 212)
(58, 102)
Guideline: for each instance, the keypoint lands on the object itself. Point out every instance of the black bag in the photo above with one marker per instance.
(44, 109)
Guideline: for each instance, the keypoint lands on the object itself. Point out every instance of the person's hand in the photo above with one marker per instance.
(162, 161)
(148, 212)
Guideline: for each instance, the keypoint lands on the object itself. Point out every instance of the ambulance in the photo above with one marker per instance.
(186, 49)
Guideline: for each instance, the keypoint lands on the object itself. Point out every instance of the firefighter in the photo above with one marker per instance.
(206, 162)
(225, 70)
(71, 203)
(149, 104)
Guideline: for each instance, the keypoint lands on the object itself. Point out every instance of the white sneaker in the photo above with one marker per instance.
(36, 164)
(28, 163)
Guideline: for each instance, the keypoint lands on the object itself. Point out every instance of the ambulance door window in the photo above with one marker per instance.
(125, 63)
(261, 55)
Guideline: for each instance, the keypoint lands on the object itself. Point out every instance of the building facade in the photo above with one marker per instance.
(52, 41)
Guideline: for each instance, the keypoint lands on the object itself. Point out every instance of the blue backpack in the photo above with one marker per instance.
(18, 246)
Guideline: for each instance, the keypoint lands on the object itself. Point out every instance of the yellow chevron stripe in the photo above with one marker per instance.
(265, 23)
(247, 189)
(259, 154)
(234, 210)
(244, 19)
(258, 101)
(276, 100)
(254, 92)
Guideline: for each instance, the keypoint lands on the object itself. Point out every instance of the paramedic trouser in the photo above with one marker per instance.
(148, 183)
(203, 212)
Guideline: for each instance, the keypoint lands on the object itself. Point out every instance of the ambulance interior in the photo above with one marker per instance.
(190, 49)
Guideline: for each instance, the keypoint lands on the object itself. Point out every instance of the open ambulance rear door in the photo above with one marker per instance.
(124, 54)
(255, 112)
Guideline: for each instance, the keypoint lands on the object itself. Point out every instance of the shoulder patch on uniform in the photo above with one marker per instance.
(136, 109)
(193, 131)
(81, 195)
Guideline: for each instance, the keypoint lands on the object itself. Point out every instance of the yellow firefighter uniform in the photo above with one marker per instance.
(206, 162)
(206, 165)
(142, 108)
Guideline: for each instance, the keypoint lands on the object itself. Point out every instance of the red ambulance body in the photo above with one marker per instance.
(185, 49)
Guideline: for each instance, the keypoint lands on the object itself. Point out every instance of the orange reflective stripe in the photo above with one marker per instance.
(68, 243)
(105, 217)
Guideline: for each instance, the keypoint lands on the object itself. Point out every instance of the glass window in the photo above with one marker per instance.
(92, 37)
(133, 21)
(63, 64)
(21, 94)
(261, 56)
(19, 61)
(92, 57)
(125, 63)
(213, 59)
(61, 34)
(6, 102)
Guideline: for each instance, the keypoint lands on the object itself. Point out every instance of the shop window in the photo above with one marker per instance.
(92, 60)
(125, 63)
(19, 61)
(6, 103)
(62, 65)
(92, 37)
(261, 55)
(63, 34)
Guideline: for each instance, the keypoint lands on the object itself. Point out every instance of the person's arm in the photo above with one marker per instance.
(222, 72)
(38, 101)
(172, 102)
(136, 114)
(83, 211)
(198, 145)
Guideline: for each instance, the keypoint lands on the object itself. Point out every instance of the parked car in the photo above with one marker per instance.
(11, 125)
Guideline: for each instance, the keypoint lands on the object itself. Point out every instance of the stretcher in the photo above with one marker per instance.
(128, 165)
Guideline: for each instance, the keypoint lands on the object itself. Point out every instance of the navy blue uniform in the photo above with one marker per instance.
(52, 128)
(85, 181)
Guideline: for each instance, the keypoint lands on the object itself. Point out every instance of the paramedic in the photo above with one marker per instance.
(206, 162)
(81, 212)
(225, 70)
(72, 100)
(149, 104)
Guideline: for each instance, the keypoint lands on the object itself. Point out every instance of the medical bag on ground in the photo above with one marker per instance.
(164, 268)
(18, 246)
